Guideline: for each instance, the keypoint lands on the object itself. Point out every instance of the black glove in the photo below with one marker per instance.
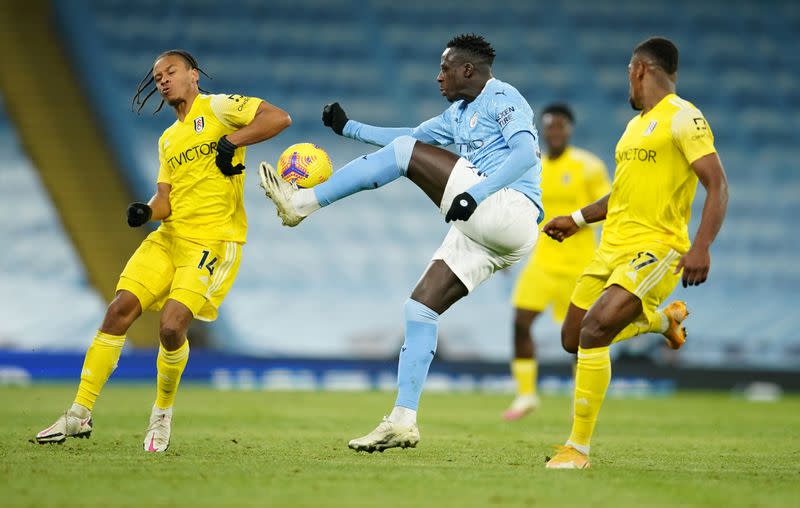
(139, 214)
(333, 116)
(225, 151)
(462, 207)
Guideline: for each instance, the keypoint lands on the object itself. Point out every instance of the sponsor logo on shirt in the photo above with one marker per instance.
(199, 124)
(636, 154)
(505, 116)
(701, 127)
(193, 153)
(470, 146)
(239, 98)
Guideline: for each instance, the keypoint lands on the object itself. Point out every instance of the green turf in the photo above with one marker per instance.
(289, 449)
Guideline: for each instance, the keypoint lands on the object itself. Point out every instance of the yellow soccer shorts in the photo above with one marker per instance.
(647, 273)
(197, 273)
(538, 288)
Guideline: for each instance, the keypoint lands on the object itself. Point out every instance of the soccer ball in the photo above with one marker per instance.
(305, 165)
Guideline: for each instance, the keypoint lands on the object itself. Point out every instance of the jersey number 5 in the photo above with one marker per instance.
(210, 265)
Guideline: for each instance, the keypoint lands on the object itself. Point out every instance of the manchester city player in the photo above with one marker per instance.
(491, 194)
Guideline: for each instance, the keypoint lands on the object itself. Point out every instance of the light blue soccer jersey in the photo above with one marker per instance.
(481, 129)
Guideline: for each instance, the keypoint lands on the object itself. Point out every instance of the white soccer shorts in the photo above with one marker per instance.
(502, 230)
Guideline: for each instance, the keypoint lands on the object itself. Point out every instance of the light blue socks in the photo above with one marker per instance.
(368, 172)
(422, 326)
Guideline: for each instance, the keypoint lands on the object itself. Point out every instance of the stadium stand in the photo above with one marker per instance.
(299, 291)
(48, 300)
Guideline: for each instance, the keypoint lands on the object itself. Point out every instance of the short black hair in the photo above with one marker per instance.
(477, 47)
(662, 51)
(560, 108)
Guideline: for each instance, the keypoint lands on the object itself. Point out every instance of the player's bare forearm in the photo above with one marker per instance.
(562, 227)
(696, 263)
(596, 211)
(267, 123)
(712, 175)
(159, 203)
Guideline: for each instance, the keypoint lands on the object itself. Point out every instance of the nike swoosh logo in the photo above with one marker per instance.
(152, 448)
(402, 349)
(45, 431)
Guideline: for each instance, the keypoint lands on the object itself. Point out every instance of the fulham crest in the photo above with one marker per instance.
(199, 124)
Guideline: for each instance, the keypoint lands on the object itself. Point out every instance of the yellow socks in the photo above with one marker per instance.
(100, 361)
(655, 322)
(170, 367)
(524, 372)
(591, 382)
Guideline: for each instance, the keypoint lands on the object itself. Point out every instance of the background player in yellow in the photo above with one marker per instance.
(570, 177)
(661, 155)
(186, 267)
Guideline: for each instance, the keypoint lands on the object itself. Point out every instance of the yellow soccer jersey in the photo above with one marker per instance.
(654, 185)
(569, 182)
(206, 205)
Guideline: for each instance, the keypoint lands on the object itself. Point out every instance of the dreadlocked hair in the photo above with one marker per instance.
(147, 85)
(475, 45)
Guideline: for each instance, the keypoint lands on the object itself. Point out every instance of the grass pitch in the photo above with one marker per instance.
(290, 449)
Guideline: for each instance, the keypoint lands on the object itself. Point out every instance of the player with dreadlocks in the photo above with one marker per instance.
(187, 266)
(490, 193)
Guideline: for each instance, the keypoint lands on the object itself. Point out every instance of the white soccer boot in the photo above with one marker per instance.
(157, 437)
(521, 406)
(387, 435)
(280, 192)
(75, 422)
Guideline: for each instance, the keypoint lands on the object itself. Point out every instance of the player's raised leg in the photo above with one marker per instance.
(100, 361)
(402, 157)
(667, 321)
(173, 353)
(523, 366)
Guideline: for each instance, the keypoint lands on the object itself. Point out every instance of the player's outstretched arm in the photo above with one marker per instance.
(158, 208)
(562, 227)
(268, 122)
(334, 116)
(696, 263)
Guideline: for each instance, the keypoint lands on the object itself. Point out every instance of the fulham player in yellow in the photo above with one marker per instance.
(570, 177)
(186, 267)
(645, 245)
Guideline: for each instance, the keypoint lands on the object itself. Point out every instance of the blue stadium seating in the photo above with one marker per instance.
(355, 263)
(47, 302)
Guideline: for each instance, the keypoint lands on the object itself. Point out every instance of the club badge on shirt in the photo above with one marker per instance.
(199, 124)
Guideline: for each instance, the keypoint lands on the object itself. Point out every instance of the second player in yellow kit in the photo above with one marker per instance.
(571, 176)
(645, 244)
(187, 266)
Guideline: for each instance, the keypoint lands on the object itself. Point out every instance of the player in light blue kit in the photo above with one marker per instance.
(491, 194)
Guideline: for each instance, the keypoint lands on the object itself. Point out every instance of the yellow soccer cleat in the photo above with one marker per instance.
(567, 457)
(676, 312)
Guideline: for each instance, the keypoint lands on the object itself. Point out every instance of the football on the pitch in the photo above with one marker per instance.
(305, 165)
